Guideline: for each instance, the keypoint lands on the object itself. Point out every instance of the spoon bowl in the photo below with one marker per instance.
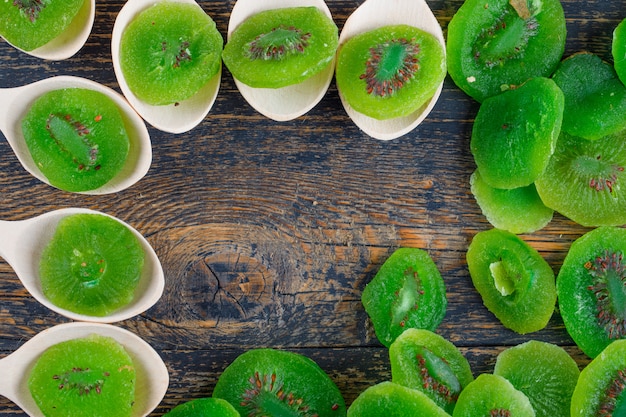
(23, 242)
(173, 118)
(71, 40)
(15, 103)
(152, 378)
(371, 15)
(290, 102)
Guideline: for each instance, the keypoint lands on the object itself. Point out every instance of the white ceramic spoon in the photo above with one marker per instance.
(286, 103)
(152, 378)
(24, 240)
(15, 103)
(71, 40)
(174, 118)
(373, 14)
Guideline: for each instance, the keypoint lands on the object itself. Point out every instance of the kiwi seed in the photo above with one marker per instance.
(609, 278)
(282, 41)
(613, 404)
(390, 65)
(31, 8)
(499, 412)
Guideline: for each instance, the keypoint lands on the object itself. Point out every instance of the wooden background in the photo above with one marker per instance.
(269, 231)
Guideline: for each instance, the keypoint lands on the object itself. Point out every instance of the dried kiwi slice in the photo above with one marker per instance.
(203, 407)
(515, 133)
(280, 47)
(91, 376)
(493, 396)
(91, 265)
(515, 282)
(262, 382)
(390, 71)
(423, 360)
(390, 399)
(545, 372)
(169, 51)
(595, 98)
(584, 180)
(518, 210)
(77, 138)
(618, 50)
(29, 24)
(601, 388)
(591, 287)
(407, 292)
(493, 45)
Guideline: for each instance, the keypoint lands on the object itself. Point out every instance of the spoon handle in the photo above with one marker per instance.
(7, 110)
(10, 232)
(13, 383)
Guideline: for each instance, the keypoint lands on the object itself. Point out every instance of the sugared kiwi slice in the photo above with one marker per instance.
(493, 45)
(492, 396)
(390, 71)
(91, 265)
(545, 372)
(595, 98)
(90, 376)
(29, 24)
(169, 51)
(584, 180)
(515, 282)
(515, 133)
(423, 360)
(390, 399)
(518, 210)
(407, 292)
(280, 47)
(203, 407)
(271, 382)
(601, 388)
(77, 138)
(618, 50)
(591, 287)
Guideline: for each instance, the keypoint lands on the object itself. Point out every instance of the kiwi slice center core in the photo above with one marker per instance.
(279, 43)
(82, 380)
(31, 8)
(72, 138)
(614, 401)
(437, 375)
(502, 280)
(390, 65)
(407, 297)
(89, 267)
(608, 274)
(603, 175)
(267, 396)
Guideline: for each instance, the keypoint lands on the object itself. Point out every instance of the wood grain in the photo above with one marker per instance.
(268, 232)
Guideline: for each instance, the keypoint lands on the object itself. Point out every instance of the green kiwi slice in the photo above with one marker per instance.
(390, 399)
(29, 24)
(595, 98)
(545, 372)
(280, 47)
(584, 180)
(169, 51)
(498, 44)
(90, 376)
(493, 396)
(407, 292)
(517, 210)
(618, 50)
(262, 382)
(515, 133)
(91, 265)
(516, 284)
(591, 288)
(77, 138)
(390, 71)
(202, 407)
(423, 360)
(601, 387)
